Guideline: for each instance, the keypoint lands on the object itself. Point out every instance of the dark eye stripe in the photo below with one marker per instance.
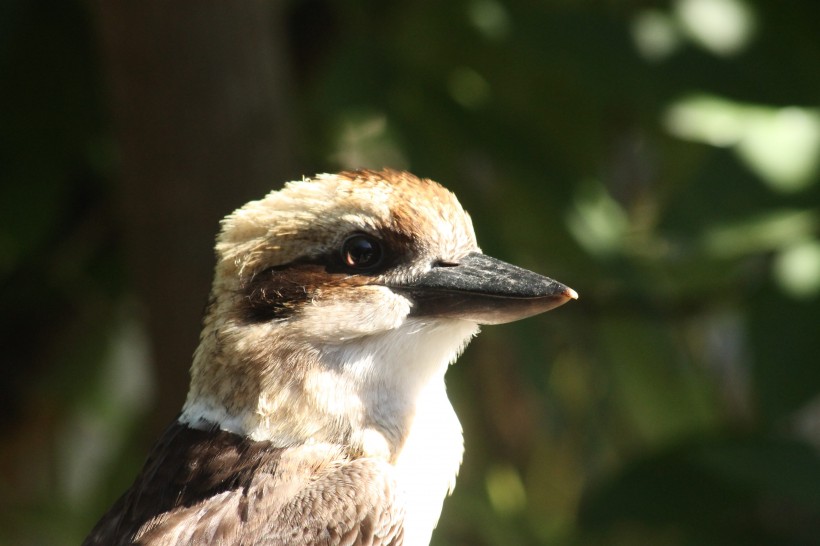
(277, 292)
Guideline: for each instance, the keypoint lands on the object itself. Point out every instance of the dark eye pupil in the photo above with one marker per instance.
(361, 251)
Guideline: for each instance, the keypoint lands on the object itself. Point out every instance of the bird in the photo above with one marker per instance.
(317, 412)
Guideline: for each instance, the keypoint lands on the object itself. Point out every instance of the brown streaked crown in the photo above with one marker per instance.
(310, 218)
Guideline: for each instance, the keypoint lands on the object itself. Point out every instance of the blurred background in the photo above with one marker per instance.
(661, 158)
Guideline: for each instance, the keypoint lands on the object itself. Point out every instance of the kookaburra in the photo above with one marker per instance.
(317, 412)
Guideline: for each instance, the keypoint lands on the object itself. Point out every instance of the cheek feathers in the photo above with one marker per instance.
(329, 307)
(280, 293)
(344, 313)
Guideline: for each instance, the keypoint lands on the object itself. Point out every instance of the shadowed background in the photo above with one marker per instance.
(661, 158)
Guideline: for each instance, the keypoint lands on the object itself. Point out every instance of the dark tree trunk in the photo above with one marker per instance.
(200, 97)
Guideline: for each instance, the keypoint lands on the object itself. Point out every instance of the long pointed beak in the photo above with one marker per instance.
(484, 290)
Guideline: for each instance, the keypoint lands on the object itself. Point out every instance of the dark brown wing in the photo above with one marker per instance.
(213, 487)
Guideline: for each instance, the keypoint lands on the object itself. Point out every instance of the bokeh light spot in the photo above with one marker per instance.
(468, 88)
(506, 490)
(490, 18)
(722, 27)
(655, 34)
(780, 145)
(797, 269)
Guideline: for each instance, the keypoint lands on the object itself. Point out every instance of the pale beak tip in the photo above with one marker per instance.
(571, 293)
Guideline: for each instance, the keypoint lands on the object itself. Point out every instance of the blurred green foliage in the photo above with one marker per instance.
(659, 157)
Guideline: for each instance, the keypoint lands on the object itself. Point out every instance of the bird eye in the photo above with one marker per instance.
(362, 251)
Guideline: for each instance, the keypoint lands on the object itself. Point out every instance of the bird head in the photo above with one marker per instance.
(337, 299)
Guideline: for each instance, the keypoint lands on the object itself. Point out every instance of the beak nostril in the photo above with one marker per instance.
(445, 263)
